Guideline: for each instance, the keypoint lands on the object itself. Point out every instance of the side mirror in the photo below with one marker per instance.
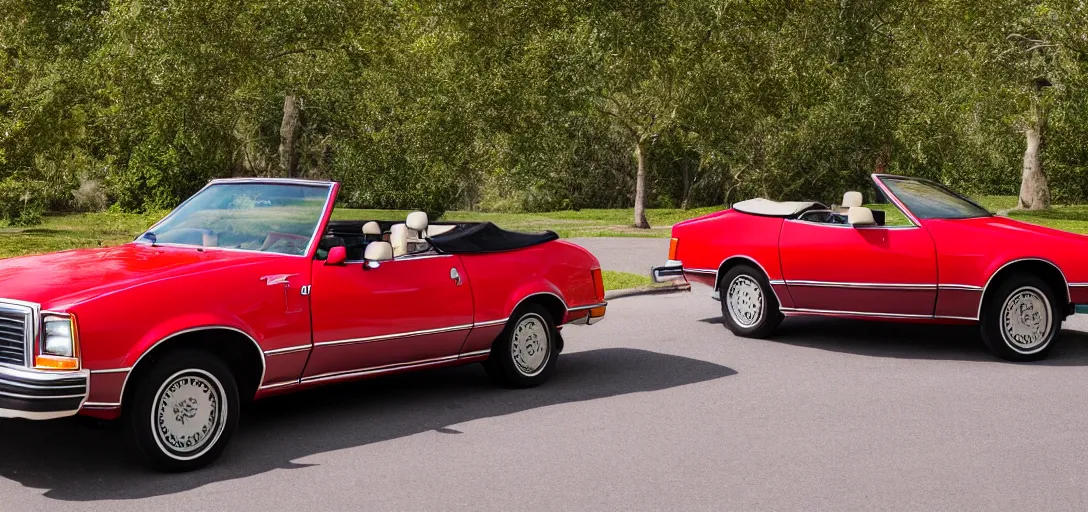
(337, 256)
(860, 216)
(376, 253)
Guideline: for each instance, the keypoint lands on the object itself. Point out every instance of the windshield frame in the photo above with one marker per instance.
(880, 181)
(311, 245)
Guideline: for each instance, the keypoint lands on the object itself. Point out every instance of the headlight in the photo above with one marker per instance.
(59, 349)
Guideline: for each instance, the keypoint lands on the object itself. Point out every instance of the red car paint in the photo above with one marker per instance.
(310, 323)
(938, 270)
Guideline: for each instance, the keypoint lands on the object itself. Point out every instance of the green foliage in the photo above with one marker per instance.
(534, 106)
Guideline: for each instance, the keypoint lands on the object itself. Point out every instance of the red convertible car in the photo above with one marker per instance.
(930, 255)
(248, 289)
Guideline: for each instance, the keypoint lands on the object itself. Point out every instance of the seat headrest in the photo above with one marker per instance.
(378, 251)
(398, 237)
(852, 198)
(860, 216)
(417, 221)
(372, 228)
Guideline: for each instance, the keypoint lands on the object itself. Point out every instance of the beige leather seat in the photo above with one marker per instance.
(849, 200)
(372, 231)
(398, 237)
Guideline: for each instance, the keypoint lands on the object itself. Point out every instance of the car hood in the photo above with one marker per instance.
(60, 280)
(1004, 225)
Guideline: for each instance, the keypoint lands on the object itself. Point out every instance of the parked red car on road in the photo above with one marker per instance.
(930, 256)
(248, 289)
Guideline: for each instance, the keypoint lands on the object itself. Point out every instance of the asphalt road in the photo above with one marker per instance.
(655, 408)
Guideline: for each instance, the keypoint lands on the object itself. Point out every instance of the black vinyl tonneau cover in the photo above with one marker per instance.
(486, 237)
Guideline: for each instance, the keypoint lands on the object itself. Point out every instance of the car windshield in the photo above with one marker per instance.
(268, 217)
(927, 200)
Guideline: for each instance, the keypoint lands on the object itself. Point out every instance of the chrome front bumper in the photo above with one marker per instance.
(672, 270)
(41, 395)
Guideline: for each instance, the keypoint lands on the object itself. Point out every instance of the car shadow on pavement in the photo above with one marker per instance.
(77, 460)
(911, 341)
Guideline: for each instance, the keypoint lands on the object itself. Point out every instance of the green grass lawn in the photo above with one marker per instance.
(59, 232)
(623, 280)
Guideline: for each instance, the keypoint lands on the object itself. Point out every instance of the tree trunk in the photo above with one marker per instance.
(289, 130)
(1034, 192)
(640, 188)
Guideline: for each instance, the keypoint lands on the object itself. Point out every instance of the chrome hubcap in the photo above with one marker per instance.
(1026, 320)
(530, 346)
(744, 299)
(189, 414)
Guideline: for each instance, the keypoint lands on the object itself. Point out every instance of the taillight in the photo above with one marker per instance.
(672, 248)
(598, 283)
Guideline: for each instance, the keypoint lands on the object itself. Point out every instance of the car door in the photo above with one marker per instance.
(412, 309)
(864, 270)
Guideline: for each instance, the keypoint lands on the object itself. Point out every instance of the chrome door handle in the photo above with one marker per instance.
(456, 276)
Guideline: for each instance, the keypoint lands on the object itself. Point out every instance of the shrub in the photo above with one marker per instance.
(90, 196)
(22, 203)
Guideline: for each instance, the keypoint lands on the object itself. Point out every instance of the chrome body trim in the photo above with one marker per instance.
(475, 354)
(287, 350)
(1078, 285)
(278, 385)
(30, 336)
(377, 370)
(700, 270)
(111, 370)
(264, 364)
(962, 287)
(531, 295)
(848, 226)
(587, 308)
(101, 405)
(51, 397)
(410, 334)
(828, 312)
(949, 317)
(767, 276)
(37, 384)
(491, 323)
(875, 286)
(1002, 267)
(894, 199)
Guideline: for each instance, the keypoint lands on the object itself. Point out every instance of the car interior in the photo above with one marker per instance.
(407, 238)
(841, 213)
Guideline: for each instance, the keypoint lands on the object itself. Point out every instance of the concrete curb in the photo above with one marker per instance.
(648, 290)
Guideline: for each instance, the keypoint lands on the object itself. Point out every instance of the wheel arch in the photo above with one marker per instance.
(239, 350)
(553, 304)
(1044, 269)
(741, 259)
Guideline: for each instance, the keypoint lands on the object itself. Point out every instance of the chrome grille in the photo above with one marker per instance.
(15, 332)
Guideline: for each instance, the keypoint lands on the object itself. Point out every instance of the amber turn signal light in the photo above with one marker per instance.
(55, 363)
(672, 248)
(597, 312)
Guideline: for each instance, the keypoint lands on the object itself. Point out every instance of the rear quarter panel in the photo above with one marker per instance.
(706, 242)
(500, 281)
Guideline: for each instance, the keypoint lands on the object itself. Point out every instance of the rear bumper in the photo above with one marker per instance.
(672, 270)
(587, 315)
(41, 395)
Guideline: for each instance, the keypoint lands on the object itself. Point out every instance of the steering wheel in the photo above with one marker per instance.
(295, 242)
